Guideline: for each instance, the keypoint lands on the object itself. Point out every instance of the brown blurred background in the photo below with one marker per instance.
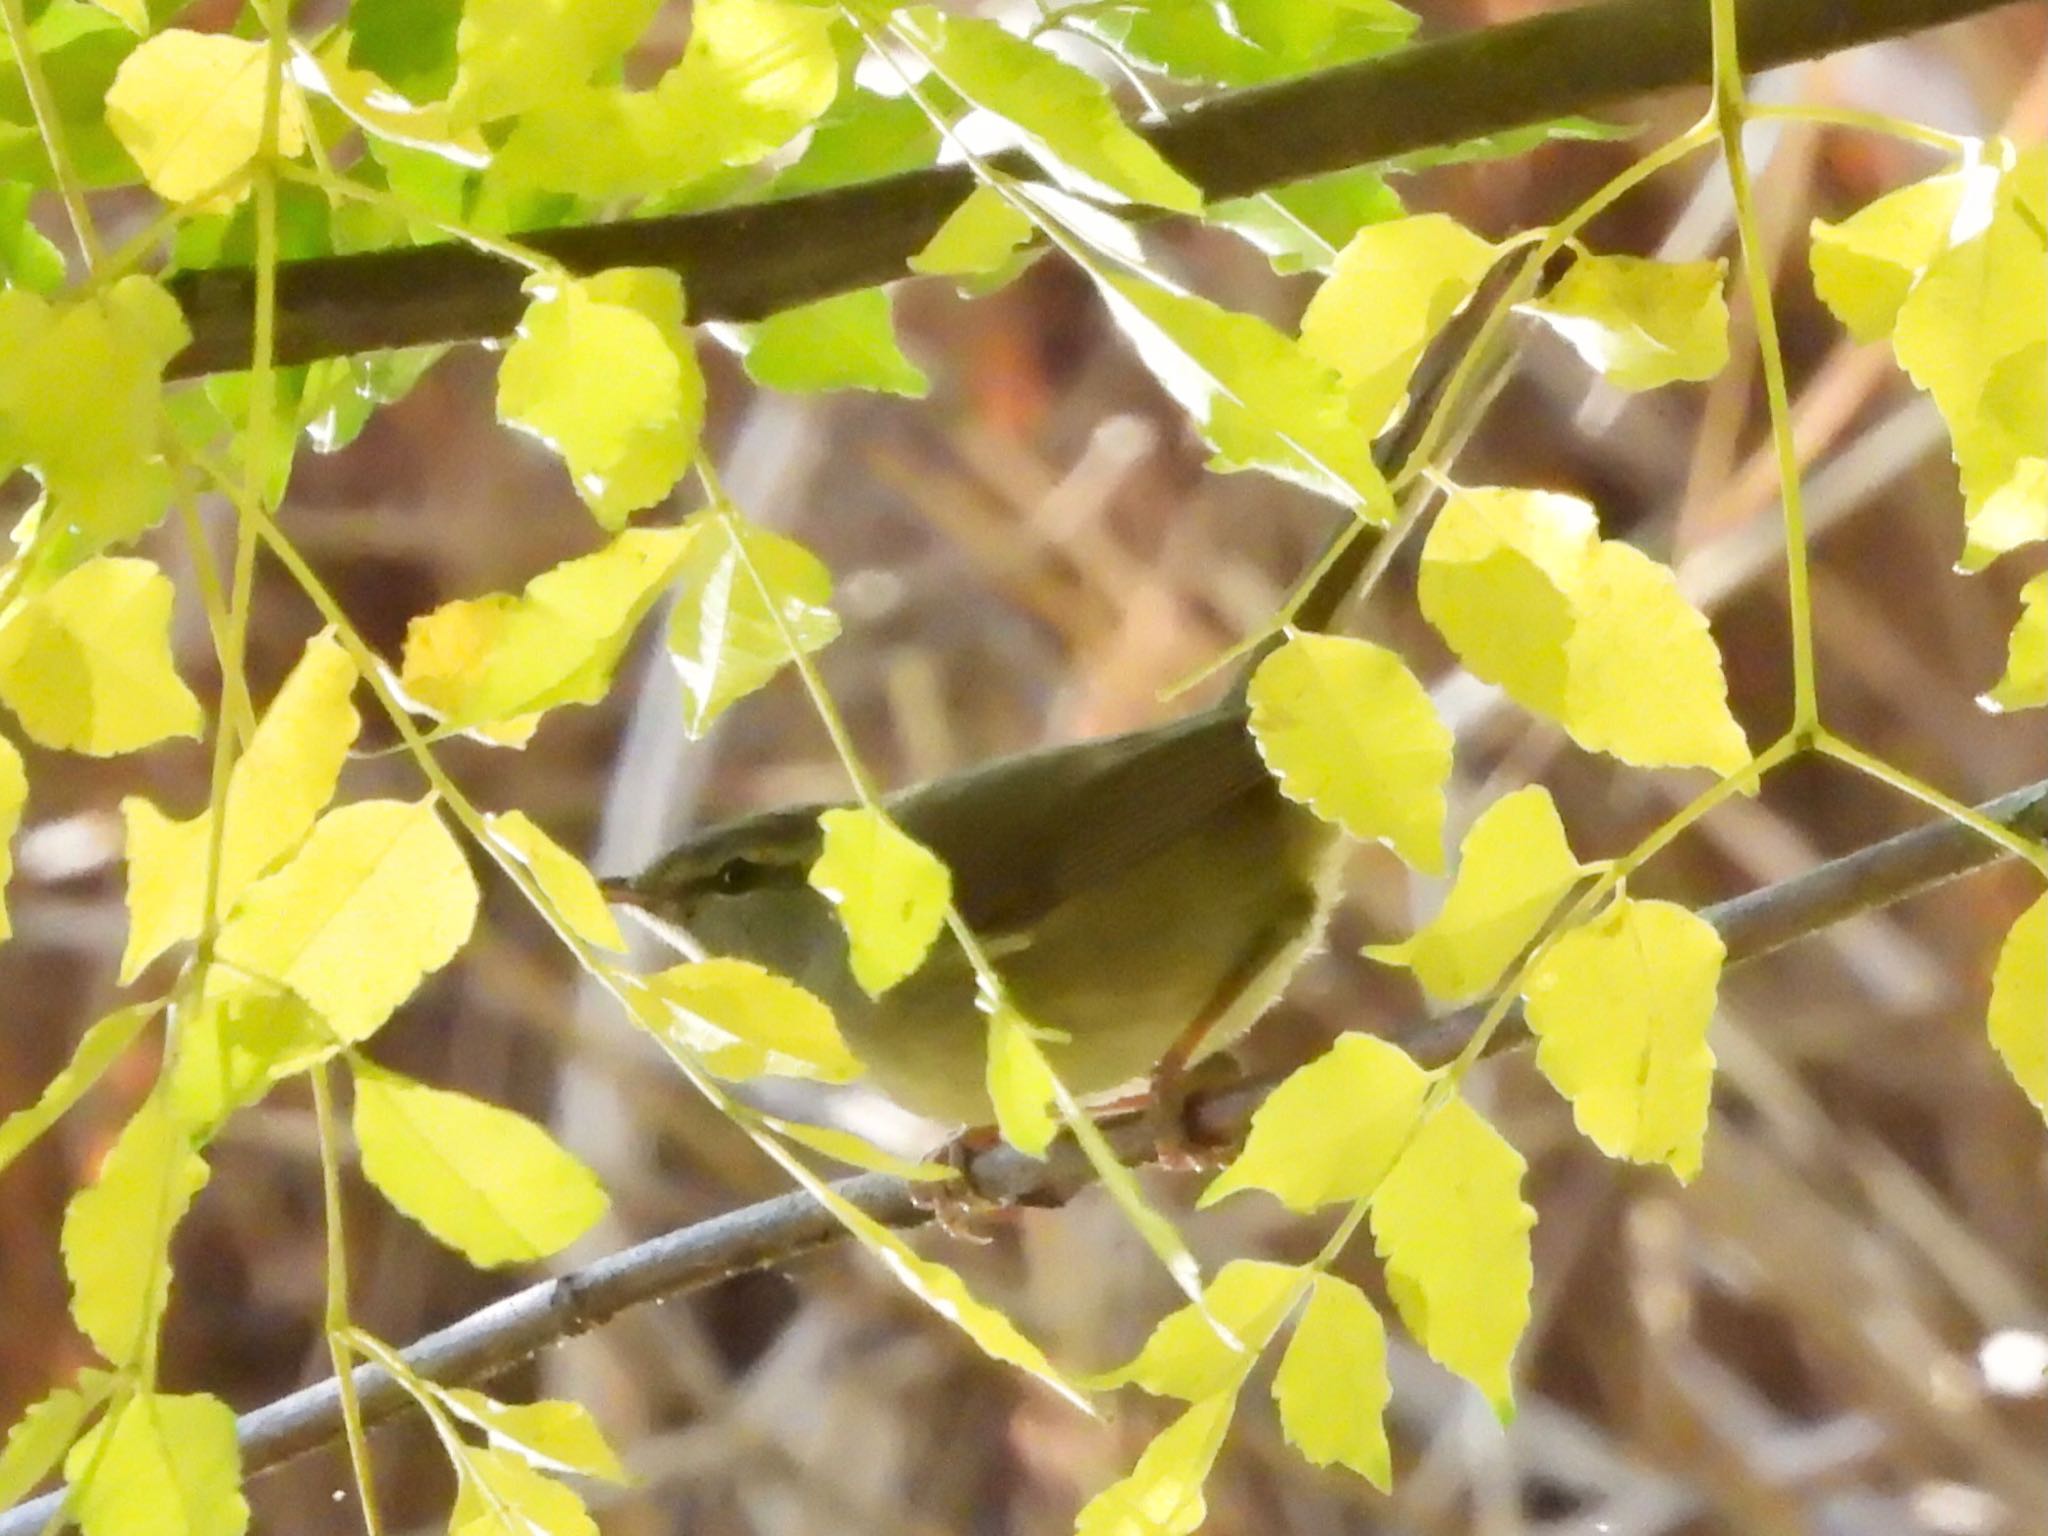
(1841, 1327)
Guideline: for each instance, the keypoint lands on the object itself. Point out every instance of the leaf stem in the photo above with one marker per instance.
(1831, 745)
(50, 126)
(336, 1322)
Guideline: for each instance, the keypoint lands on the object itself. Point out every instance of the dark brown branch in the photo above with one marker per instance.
(780, 1231)
(746, 262)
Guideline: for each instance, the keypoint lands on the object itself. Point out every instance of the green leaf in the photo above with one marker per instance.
(1514, 867)
(13, 801)
(2018, 1015)
(1244, 42)
(1067, 119)
(369, 102)
(117, 1232)
(549, 1436)
(189, 107)
(863, 137)
(160, 1466)
(1641, 323)
(1332, 1130)
(891, 892)
(844, 342)
(574, 900)
(1864, 266)
(1450, 1222)
(1162, 1494)
(97, 1049)
(1332, 1384)
(733, 583)
(604, 373)
(280, 784)
(27, 258)
(498, 1494)
(39, 1439)
(512, 55)
(1511, 142)
(491, 1184)
(1302, 226)
(1620, 1008)
(86, 664)
(1187, 1357)
(745, 1021)
(379, 896)
(1350, 733)
(2025, 683)
(981, 236)
(492, 665)
(1260, 399)
(1390, 291)
(410, 43)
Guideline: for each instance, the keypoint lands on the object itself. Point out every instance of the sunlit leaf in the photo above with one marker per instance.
(844, 342)
(1332, 1384)
(563, 879)
(1187, 1357)
(491, 1184)
(1620, 1008)
(86, 663)
(981, 236)
(516, 54)
(160, 1465)
(497, 1493)
(1303, 226)
(891, 893)
(604, 373)
(1450, 1222)
(864, 136)
(1162, 1494)
(858, 1151)
(97, 1049)
(1514, 866)
(2019, 1003)
(1021, 1084)
(380, 110)
(553, 1436)
(39, 1438)
(235, 1046)
(744, 1021)
(734, 581)
(1245, 42)
(13, 801)
(1864, 266)
(28, 259)
(379, 896)
(1332, 1129)
(1350, 733)
(189, 107)
(1641, 323)
(2016, 513)
(2025, 682)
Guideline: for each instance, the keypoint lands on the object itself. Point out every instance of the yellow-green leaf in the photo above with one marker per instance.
(1514, 866)
(1066, 118)
(1332, 1384)
(492, 664)
(498, 1494)
(278, 787)
(857, 1151)
(97, 1049)
(1350, 733)
(1391, 290)
(117, 1232)
(2025, 683)
(2019, 1003)
(891, 893)
(1162, 1494)
(552, 1436)
(2016, 513)
(734, 581)
(1452, 1227)
(745, 1021)
(1332, 1130)
(981, 236)
(379, 896)
(1641, 323)
(13, 801)
(516, 54)
(491, 1184)
(1021, 1084)
(39, 1439)
(1864, 266)
(235, 1046)
(86, 665)
(188, 106)
(845, 342)
(604, 373)
(1186, 1357)
(379, 110)
(1620, 1008)
(574, 900)
(160, 1465)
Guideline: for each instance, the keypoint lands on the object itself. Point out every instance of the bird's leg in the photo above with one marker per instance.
(1177, 1144)
(960, 1206)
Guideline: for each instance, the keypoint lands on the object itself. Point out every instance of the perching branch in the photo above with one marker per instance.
(743, 263)
(780, 1231)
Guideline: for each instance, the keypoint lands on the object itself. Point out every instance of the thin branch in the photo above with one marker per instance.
(777, 1232)
(742, 263)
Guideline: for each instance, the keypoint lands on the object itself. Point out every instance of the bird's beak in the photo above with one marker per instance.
(621, 892)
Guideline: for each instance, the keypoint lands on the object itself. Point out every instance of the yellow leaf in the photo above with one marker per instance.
(498, 1494)
(1620, 1008)
(551, 1436)
(1332, 1130)
(2019, 1003)
(97, 1049)
(2025, 683)
(981, 236)
(891, 893)
(86, 665)
(1513, 868)
(734, 580)
(1645, 680)
(1021, 1084)
(279, 786)
(379, 896)
(1332, 1384)
(235, 1045)
(1162, 1494)
(745, 1021)
(1391, 290)
(1186, 1357)
(1864, 267)
(2013, 515)
(1641, 323)
(604, 372)
(1350, 733)
(491, 1184)
(1450, 1222)
(516, 54)
(117, 1232)
(13, 801)
(573, 897)
(160, 1466)
(39, 1439)
(188, 106)
(482, 664)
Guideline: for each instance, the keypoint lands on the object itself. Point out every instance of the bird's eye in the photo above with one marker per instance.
(734, 876)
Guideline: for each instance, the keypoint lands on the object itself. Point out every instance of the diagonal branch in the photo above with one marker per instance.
(745, 262)
(780, 1231)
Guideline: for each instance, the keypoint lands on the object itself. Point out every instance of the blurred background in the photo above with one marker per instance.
(1841, 1327)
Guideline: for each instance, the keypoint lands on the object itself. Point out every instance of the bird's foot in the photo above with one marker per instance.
(959, 1206)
